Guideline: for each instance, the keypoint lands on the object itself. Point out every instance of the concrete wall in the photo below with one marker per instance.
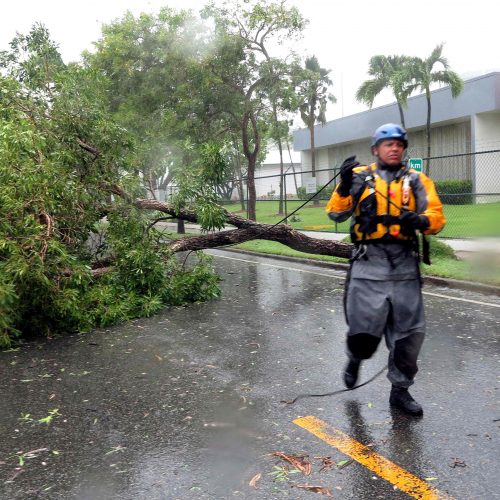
(487, 131)
(267, 180)
(487, 166)
(451, 139)
(322, 162)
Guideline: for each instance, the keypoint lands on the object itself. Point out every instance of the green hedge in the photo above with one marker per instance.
(455, 192)
(451, 192)
(324, 195)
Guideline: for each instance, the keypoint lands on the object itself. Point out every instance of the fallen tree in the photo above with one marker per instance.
(78, 246)
(245, 230)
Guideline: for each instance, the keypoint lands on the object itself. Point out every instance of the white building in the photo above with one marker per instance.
(468, 124)
(267, 175)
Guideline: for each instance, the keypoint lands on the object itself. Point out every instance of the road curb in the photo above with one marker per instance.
(470, 286)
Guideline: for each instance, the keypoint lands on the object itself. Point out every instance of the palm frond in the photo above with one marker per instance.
(370, 89)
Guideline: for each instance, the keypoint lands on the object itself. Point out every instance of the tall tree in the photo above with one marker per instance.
(313, 96)
(261, 15)
(388, 72)
(244, 29)
(158, 89)
(426, 74)
(152, 63)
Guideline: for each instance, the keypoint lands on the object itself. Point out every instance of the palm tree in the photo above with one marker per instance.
(313, 94)
(424, 77)
(392, 72)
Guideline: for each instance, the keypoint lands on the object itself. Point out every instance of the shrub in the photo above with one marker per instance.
(455, 192)
(301, 193)
(324, 195)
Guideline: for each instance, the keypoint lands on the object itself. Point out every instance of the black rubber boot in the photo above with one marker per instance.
(351, 373)
(401, 398)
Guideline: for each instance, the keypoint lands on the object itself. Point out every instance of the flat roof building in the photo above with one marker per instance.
(470, 123)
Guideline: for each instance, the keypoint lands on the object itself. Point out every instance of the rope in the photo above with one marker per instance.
(334, 393)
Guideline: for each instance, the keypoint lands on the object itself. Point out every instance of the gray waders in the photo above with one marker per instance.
(383, 298)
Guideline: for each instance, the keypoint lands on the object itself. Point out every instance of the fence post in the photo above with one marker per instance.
(246, 201)
(284, 191)
(334, 186)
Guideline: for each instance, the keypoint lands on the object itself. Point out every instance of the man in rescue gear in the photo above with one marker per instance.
(388, 203)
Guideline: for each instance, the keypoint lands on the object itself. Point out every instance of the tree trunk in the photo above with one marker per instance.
(181, 229)
(282, 178)
(313, 152)
(251, 156)
(239, 175)
(313, 159)
(280, 148)
(252, 195)
(293, 168)
(246, 230)
(428, 132)
(283, 234)
(165, 182)
(401, 114)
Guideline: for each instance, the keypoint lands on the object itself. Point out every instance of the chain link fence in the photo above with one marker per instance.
(468, 185)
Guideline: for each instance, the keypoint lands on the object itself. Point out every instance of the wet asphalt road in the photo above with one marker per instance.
(188, 404)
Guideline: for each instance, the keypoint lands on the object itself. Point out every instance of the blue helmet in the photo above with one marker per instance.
(390, 131)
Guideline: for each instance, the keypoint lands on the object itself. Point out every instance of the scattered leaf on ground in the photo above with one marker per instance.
(344, 463)
(315, 489)
(48, 419)
(116, 449)
(326, 463)
(299, 462)
(17, 471)
(253, 481)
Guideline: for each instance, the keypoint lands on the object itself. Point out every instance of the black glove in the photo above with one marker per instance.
(410, 221)
(346, 175)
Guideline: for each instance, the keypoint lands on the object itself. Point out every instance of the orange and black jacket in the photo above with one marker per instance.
(375, 204)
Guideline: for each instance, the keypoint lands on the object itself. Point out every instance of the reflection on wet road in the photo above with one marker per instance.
(187, 404)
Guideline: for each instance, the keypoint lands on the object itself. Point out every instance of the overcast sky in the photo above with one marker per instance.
(343, 34)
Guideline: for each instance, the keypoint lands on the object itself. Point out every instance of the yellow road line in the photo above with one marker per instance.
(402, 479)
